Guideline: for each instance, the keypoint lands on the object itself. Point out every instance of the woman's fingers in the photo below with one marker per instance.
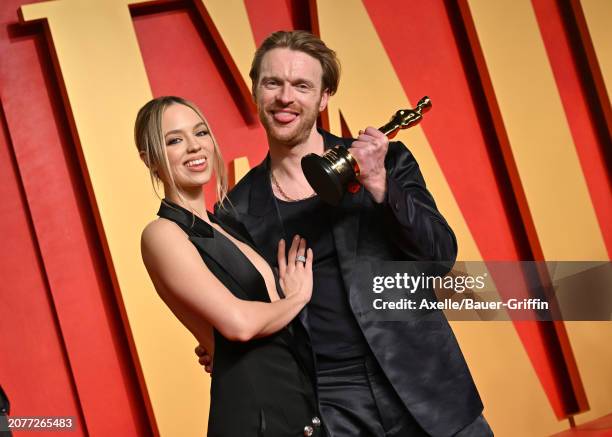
(309, 258)
(282, 261)
(301, 252)
(293, 253)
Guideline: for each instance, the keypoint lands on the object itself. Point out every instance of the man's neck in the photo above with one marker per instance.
(286, 160)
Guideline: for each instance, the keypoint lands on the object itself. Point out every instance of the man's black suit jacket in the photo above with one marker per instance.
(421, 358)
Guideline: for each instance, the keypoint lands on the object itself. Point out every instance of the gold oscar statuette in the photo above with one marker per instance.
(329, 175)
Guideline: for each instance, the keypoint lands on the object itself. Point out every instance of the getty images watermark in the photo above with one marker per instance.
(456, 284)
(484, 290)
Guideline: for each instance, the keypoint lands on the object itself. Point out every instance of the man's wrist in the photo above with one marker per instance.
(376, 186)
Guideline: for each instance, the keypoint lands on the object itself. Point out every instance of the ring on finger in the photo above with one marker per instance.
(300, 258)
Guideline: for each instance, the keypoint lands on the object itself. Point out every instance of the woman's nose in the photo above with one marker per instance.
(193, 144)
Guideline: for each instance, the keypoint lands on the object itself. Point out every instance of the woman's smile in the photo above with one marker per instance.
(197, 164)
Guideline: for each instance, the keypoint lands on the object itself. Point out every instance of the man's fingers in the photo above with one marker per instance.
(363, 141)
(199, 350)
(373, 132)
(368, 138)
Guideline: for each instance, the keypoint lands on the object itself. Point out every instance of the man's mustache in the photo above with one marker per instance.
(285, 108)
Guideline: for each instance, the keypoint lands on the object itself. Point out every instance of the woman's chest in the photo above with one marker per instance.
(262, 267)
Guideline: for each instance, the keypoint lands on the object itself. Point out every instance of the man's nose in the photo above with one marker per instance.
(285, 95)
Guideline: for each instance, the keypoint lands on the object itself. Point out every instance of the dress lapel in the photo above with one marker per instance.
(189, 222)
(219, 248)
(235, 263)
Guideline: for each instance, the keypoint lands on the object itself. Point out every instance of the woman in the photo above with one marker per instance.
(220, 288)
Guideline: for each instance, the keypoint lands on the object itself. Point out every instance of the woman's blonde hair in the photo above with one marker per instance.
(149, 138)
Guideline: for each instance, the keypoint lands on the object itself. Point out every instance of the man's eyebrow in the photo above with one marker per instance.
(178, 131)
(306, 81)
(293, 82)
(270, 77)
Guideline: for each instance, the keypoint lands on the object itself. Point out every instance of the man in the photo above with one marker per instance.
(373, 378)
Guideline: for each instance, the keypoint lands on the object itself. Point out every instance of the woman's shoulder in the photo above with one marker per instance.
(161, 232)
(166, 249)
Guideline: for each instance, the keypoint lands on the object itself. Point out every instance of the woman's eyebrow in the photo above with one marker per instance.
(178, 131)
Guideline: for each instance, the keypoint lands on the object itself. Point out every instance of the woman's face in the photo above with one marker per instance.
(189, 146)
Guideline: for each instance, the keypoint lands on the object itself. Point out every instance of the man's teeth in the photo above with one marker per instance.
(195, 162)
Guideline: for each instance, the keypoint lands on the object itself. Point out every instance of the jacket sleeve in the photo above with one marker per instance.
(411, 216)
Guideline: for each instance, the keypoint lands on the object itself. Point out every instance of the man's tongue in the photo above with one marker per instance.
(284, 117)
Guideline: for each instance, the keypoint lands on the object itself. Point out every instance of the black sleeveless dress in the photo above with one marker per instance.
(261, 387)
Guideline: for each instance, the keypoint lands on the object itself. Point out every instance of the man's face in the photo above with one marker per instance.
(289, 95)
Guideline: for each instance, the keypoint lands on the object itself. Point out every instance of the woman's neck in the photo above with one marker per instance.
(193, 201)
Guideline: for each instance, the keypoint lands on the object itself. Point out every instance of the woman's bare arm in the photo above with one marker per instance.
(176, 268)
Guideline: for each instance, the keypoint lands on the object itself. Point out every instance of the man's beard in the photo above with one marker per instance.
(290, 136)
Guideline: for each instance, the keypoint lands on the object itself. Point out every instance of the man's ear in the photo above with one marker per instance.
(254, 95)
(254, 90)
(324, 100)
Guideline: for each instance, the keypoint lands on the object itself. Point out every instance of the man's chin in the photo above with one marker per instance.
(289, 134)
(284, 135)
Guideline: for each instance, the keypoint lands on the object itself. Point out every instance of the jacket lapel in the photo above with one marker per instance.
(345, 218)
(263, 224)
(232, 223)
(262, 221)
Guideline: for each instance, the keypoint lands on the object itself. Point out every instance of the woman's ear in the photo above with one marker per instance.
(143, 157)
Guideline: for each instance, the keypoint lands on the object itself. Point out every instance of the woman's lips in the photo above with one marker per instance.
(197, 165)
